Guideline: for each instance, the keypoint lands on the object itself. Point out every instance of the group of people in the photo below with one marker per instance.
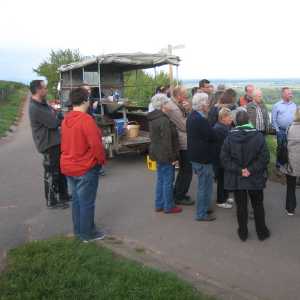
(217, 136)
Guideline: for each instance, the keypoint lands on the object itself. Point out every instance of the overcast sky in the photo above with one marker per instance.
(223, 39)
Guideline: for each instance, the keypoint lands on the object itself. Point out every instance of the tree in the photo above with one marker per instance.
(140, 86)
(48, 68)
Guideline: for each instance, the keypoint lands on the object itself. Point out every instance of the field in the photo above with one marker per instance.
(10, 105)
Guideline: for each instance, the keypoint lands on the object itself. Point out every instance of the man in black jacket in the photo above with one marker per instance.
(46, 136)
(200, 142)
(245, 158)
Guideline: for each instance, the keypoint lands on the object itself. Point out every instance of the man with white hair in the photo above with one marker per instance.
(258, 112)
(164, 149)
(200, 140)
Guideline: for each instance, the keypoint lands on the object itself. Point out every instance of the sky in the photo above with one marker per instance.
(222, 39)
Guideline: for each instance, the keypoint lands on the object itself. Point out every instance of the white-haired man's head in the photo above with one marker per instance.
(159, 100)
(257, 96)
(200, 102)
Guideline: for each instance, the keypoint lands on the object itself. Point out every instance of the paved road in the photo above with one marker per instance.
(268, 270)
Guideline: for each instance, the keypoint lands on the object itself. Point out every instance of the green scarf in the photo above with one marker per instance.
(247, 126)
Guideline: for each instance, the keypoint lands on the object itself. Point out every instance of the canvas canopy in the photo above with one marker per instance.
(126, 61)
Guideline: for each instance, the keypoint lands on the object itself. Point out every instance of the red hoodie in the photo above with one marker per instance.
(81, 144)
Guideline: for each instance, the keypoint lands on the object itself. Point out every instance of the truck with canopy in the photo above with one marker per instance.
(115, 115)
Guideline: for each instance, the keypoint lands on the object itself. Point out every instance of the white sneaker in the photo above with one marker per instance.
(290, 213)
(98, 236)
(230, 200)
(224, 205)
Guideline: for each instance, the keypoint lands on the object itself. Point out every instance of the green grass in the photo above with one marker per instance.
(272, 145)
(68, 269)
(10, 107)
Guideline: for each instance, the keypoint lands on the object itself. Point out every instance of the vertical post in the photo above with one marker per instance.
(177, 80)
(170, 66)
(83, 79)
(155, 83)
(99, 87)
(71, 80)
(170, 70)
(137, 91)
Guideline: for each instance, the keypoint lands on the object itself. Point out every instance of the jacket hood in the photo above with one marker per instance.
(73, 118)
(243, 134)
(155, 114)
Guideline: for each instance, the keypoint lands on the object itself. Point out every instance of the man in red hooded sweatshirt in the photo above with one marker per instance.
(82, 155)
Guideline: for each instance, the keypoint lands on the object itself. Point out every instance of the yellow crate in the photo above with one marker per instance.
(151, 164)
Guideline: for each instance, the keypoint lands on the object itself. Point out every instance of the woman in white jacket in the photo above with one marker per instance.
(292, 167)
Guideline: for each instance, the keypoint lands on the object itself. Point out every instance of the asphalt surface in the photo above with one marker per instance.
(211, 251)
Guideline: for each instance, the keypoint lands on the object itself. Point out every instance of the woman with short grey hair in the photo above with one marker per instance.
(199, 101)
(164, 149)
(158, 101)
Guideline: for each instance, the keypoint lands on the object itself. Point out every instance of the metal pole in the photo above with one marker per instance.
(83, 74)
(155, 83)
(99, 86)
(71, 79)
(177, 81)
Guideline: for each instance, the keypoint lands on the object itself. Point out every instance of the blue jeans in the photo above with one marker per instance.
(281, 139)
(164, 186)
(84, 191)
(205, 175)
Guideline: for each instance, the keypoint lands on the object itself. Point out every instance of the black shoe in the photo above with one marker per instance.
(243, 236)
(264, 236)
(184, 201)
(63, 205)
(206, 219)
(52, 206)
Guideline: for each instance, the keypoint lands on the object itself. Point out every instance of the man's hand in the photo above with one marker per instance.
(187, 105)
(245, 172)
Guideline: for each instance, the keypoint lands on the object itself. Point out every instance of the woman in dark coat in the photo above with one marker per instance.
(164, 149)
(221, 129)
(245, 158)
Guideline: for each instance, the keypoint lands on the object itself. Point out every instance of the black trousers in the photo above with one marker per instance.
(290, 203)
(184, 176)
(222, 195)
(55, 183)
(256, 197)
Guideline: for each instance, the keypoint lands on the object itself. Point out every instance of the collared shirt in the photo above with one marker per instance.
(260, 125)
(283, 114)
(201, 114)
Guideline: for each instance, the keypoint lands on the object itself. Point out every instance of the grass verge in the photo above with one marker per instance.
(10, 108)
(68, 269)
(273, 174)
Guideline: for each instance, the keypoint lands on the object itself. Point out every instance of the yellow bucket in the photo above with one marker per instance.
(151, 164)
